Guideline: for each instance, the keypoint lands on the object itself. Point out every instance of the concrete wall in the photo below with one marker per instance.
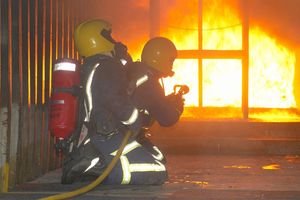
(33, 34)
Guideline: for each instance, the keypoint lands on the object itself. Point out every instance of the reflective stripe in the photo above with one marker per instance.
(129, 147)
(133, 117)
(86, 119)
(83, 135)
(147, 167)
(128, 168)
(123, 61)
(87, 141)
(125, 168)
(93, 163)
(159, 155)
(65, 66)
(124, 160)
(71, 147)
(141, 80)
(89, 91)
(146, 112)
(61, 101)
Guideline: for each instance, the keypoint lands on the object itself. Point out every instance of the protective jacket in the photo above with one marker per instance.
(107, 104)
(110, 97)
(108, 113)
(148, 94)
(111, 92)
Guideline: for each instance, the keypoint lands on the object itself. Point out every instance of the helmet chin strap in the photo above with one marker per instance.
(110, 54)
(163, 85)
(168, 74)
(171, 73)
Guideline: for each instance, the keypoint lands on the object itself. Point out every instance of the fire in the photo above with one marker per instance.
(273, 166)
(272, 68)
(271, 65)
(237, 167)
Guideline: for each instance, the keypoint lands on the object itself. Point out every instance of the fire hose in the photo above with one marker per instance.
(178, 89)
(96, 182)
(181, 89)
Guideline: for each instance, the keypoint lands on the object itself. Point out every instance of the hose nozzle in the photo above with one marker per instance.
(181, 89)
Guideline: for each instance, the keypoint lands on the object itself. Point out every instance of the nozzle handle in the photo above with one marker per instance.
(181, 89)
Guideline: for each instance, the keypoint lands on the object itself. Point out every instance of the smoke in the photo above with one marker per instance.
(281, 18)
(130, 18)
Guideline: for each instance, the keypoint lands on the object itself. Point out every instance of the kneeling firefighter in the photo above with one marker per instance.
(109, 113)
(147, 92)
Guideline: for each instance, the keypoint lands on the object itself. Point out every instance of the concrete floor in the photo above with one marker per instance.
(194, 177)
(234, 160)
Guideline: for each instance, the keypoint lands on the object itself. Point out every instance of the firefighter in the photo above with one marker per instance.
(142, 162)
(108, 110)
(118, 99)
(147, 92)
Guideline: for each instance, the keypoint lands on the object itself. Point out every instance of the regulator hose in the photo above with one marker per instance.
(96, 182)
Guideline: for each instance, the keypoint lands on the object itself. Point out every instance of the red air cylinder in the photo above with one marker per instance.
(64, 98)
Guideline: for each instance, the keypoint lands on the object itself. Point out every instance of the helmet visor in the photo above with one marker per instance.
(107, 35)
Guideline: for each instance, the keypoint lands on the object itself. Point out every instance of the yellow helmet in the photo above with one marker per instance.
(160, 53)
(93, 37)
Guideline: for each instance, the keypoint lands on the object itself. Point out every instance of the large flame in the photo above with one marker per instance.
(271, 65)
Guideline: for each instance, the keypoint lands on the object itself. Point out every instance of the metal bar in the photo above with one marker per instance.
(36, 52)
(9, 106)
(154, 9)
(20, 53)
(79, 17)
(49, 152)
(56, 29)
(35, 118)
(73, 22)
(28, 120)
(1, 29)
(245, 61)
(43, 129)
(5, 170)
(50, 46)
(4, 54)
(210, 54)
(21, 133)
(200, 38)
(62, 19)
(55, 157)
(9, 81)
(68, 30)
(43, 51)
(28, 54)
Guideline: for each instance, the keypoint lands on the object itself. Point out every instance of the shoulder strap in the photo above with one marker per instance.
(85, 101)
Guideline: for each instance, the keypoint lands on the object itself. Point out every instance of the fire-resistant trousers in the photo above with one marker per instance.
(141, 163)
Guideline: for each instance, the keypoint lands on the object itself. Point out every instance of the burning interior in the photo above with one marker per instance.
(270, 72)
(235, 65)
(240, 59)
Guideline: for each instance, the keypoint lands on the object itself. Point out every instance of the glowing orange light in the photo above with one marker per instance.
(271, 70)
(237, 167)
(271, 64)
(271, 167)
(197, 182)
(292, 158)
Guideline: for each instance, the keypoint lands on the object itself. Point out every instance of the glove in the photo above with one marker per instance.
(136, 127)
(148, 120)
(122, 53)
(177, 101)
